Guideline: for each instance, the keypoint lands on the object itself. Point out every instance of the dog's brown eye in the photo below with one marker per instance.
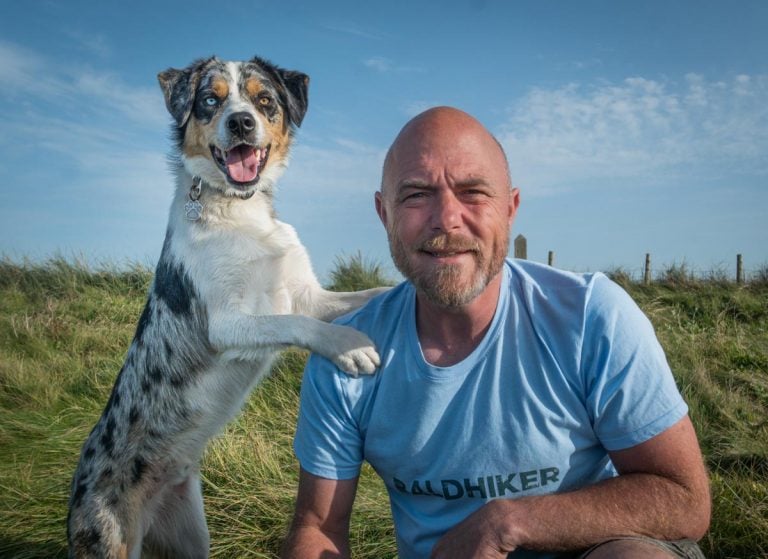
(265, 101)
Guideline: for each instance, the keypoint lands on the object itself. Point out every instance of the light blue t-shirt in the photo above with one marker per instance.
(569, 369)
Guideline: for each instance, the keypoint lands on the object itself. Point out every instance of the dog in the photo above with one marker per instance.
(233, 286)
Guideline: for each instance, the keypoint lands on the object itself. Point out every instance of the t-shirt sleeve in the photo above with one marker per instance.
(327, 443)
(631, 395)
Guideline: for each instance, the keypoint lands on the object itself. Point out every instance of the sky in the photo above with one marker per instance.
(630, 127)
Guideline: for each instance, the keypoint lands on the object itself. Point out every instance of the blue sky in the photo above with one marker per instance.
(631, 127)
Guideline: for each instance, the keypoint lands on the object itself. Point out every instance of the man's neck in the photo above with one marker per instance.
(448, 336)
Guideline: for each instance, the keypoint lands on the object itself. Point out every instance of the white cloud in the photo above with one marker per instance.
(83, 137)
(90, 43)
(386, 65)
(349, 28)
(379, 63)
(76, 90)
(24, 72)
(139, 104)
(637, 130)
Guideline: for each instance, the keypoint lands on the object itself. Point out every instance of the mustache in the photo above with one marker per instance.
(448, 242)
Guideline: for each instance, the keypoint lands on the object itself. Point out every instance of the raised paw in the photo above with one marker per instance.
(358, 361)
(352, 351)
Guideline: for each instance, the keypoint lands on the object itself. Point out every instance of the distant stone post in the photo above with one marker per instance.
(521, 247)
(647, 270)
(739, 269)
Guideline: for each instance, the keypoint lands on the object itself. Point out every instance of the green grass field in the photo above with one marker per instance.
(64, 330)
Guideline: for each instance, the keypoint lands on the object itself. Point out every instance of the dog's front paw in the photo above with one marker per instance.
(358, 361)
(352, 351)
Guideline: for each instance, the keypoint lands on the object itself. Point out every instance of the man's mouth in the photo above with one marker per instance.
(448, 246)
(444, 254)
(242, 164)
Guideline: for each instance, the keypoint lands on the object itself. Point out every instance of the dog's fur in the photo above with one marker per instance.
(230, 289)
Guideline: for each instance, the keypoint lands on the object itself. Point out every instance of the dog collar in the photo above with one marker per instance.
(193, 209)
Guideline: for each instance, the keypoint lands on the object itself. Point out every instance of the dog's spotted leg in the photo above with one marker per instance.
(352, 351)
(179, 528)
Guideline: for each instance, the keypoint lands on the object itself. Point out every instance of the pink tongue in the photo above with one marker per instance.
(243, 163)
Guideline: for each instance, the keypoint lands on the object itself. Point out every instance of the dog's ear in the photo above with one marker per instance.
(292, 86)
(297, 86)
(178, 93)
(179, 87)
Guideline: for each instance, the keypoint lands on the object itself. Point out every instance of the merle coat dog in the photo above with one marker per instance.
(233, 285)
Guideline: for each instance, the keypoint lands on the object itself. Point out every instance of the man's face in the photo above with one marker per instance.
(447, 206)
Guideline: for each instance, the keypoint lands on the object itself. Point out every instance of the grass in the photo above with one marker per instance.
(64, 330)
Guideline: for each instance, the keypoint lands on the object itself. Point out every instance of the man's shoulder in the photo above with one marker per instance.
(528, 272)
(539, 282)
(541, 288)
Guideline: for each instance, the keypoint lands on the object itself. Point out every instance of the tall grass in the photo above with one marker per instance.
(64, 330)
(355, 273)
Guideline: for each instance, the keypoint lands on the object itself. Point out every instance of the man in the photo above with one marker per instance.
(518, 409)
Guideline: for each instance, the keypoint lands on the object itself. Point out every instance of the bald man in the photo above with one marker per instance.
(519, 411)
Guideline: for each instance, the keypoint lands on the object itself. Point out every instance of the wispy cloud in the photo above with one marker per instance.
(586, 64)
(386, 65)
(24, 69)
(75, 89)
(379, 63)
(90, 43)
(349, 28)
(638, 130)
(84, 137)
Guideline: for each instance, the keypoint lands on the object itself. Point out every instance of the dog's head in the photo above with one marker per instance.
(234, 121)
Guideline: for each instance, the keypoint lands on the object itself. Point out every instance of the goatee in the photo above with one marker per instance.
(445, 285)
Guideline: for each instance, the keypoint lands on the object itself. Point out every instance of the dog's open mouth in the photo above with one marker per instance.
(242, 164)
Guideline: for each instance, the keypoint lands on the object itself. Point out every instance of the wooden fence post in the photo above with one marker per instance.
(521, 247)
(647, 270)
(739, 269)
(551, 258)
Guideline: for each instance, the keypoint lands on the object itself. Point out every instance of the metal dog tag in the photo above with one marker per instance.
(193, 210)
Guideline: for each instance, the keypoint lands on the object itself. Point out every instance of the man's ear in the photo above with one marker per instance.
(514, 203)
(381, 208)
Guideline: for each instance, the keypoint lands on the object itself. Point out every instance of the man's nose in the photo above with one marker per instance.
(446, 214)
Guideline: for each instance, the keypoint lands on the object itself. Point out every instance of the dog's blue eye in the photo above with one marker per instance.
(211, 101)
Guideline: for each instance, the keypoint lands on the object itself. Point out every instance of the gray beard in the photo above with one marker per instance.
(443, 286)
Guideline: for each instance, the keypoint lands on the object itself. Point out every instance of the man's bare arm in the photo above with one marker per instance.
(662, 492)
(320, 528)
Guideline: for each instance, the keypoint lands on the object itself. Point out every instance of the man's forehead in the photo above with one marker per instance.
(433, 157)
(463, 157)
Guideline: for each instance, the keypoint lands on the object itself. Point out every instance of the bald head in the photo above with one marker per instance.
(439, 126)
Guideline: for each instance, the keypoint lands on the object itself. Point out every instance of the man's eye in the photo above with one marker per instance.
(474, 193)
(413, 197)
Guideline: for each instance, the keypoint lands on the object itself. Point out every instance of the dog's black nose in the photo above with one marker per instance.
(241, 124)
